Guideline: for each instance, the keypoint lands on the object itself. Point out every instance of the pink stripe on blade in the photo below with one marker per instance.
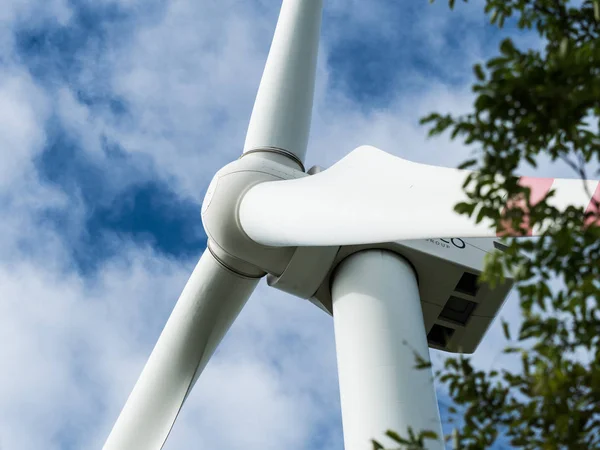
(538, 187)
(594, 208)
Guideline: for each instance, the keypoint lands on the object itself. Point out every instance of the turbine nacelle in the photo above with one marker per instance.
(306, 271)
(457, 310)
(265, 216)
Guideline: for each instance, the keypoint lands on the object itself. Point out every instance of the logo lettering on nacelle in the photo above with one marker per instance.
(447, 243)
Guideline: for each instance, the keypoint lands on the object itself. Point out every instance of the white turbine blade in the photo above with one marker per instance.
(282, 111)
(208, 305)
(371, 197)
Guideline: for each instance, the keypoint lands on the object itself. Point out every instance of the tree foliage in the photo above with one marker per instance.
(532, 105)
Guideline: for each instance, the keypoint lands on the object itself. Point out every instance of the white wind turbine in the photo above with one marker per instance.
(362, 240)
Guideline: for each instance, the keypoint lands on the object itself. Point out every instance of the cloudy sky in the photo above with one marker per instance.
(114, 114)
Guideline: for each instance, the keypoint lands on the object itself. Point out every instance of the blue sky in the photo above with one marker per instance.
(114, 115)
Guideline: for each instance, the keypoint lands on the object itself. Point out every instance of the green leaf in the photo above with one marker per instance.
(478, 70)
(396, 437)
(494, 17)
(505, 329)
(507, 47)
(529, 158)
(467, 164)
(464, 208)
(482, 214)
(422, 365)
(430, 118)
(428, 434)
(377, 445)
(483, 102)
(564, 47)
(534, 103)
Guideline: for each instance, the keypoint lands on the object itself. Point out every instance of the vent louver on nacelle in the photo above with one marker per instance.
(468, 284)
(439, 335)
(458, 310)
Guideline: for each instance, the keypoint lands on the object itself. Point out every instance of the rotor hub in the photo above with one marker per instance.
(227, 240)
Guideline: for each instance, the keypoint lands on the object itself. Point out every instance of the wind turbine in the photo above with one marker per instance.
(373, 240)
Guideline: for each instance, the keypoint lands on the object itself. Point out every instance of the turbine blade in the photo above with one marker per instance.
(283, 107)
(372, 197)
(208, 305)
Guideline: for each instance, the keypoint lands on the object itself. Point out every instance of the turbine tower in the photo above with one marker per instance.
(373, 241)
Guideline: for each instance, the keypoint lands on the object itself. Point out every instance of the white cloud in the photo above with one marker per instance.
(73, 348)
(23, 108)
(28, 10)
(190, 80)
(69, 343)
(342, 126)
